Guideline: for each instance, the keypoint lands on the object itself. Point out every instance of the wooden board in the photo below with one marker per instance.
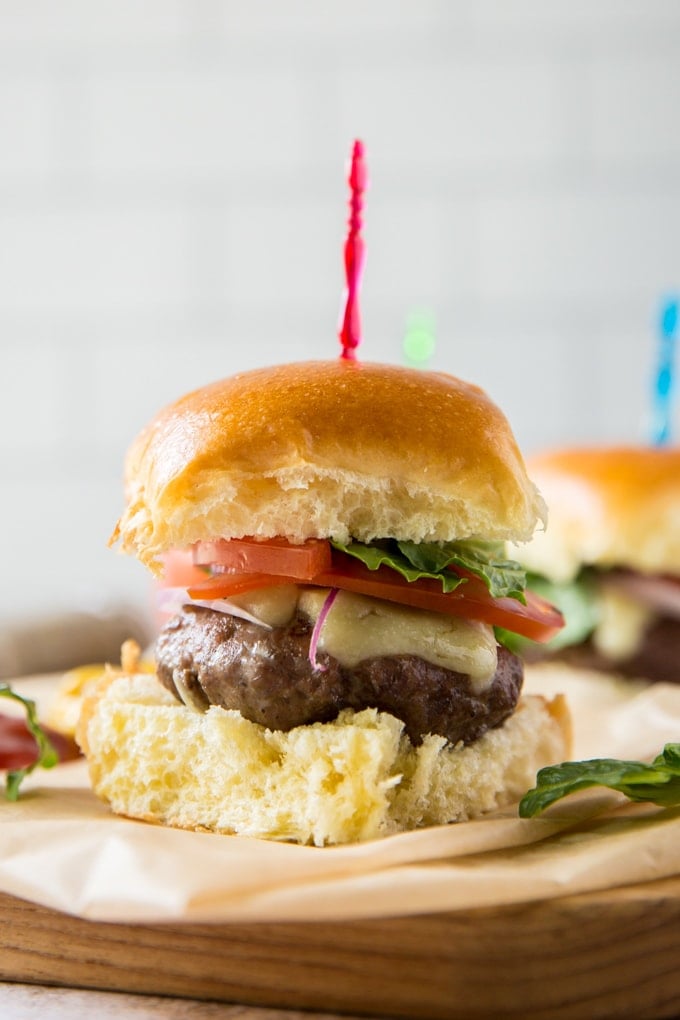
(609, 954)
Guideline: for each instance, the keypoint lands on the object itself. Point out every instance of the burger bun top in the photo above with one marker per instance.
(609, 506)
(327, 449)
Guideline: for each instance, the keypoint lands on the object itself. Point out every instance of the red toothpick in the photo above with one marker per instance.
(350, 329)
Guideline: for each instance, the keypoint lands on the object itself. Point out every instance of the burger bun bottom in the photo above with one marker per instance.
(353, 779)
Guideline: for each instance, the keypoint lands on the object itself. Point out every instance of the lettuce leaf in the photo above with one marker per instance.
(578, 603)
(503, 578)
(47, 755)
(658, 782)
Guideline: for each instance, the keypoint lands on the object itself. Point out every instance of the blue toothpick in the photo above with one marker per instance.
(663, 383)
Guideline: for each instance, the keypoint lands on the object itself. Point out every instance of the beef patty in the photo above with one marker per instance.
(657, 658)
(211, 658)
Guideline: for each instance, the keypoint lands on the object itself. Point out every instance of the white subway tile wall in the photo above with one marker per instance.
(173, 207)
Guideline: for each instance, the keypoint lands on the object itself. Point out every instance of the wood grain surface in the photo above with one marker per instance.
(609, 954)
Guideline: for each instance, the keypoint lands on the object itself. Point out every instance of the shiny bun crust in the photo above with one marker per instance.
(609, 506)
(327, 449)
(353, 779)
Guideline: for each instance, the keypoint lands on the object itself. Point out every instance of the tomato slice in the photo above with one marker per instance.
(537, 620)
(18, 747)
(224, 586)
(179, 569)
(268, 556)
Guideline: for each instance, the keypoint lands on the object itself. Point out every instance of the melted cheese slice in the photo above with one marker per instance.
(622, 626)
(359, 627)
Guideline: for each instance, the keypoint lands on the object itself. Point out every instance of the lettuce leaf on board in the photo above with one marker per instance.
(658, 782)
(413, 560)
(47, 756)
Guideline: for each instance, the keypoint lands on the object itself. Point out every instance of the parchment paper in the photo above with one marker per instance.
(60, 847)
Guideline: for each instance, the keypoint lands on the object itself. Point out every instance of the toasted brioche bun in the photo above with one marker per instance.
(609, 506)
(353, 779)
(327, 449)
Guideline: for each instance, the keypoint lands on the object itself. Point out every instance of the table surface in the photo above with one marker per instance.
(39, 1002)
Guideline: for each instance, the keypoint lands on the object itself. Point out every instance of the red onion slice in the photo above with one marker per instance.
(316, 633)
(658, 592)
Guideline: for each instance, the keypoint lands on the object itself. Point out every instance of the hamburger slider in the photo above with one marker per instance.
(611, 558)
(335, 673)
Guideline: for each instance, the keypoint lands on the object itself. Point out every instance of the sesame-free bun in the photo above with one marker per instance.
(327, 449)
(609, 506)
(353, 779)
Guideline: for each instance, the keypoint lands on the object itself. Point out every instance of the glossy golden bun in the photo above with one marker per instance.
(609, 506)
(356, 778)
(327, 449)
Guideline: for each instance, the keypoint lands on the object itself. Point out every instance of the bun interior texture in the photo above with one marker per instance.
(353, 779)
(327, 449)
